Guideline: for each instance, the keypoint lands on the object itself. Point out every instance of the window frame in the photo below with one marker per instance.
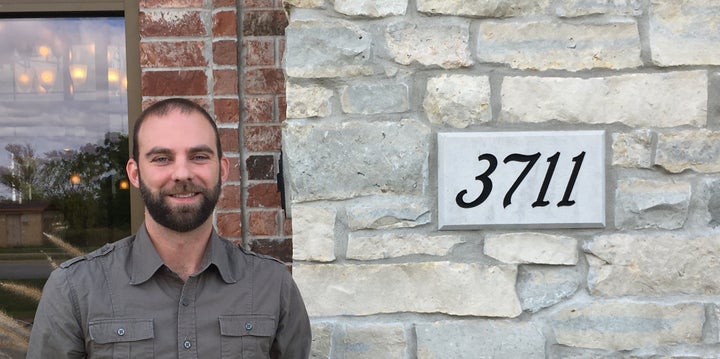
(130, 10)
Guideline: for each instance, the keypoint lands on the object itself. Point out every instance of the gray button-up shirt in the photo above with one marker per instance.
(121, 301)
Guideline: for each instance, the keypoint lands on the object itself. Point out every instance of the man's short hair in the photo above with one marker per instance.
(162, 108)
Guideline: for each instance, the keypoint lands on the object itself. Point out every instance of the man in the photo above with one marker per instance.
(175, 289)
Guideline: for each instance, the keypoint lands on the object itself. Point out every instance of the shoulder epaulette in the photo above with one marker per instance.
(258, 255)
(104, 250)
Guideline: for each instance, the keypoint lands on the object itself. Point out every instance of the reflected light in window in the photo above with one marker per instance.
(44, 51)
(114, 76)
(75, 178)
(78, 73)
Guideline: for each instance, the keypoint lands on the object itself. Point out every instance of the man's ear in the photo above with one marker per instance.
(133, 172)
(224, 169)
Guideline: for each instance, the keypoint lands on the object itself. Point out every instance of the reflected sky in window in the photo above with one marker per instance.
(62, 84)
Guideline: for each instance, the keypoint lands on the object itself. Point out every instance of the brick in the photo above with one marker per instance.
(227, 110)
(282, 108)
(172, 54)
(224, 23)
(229, 139)
(259, 109)
(264, 23)
(223, 3)
(249, 4)
(287, 227)
(262, 138)
(261, 167)
(230, 197)
(234, 169)
(225, 82)
(281, 47)
(259, 52)
(225, 52)
(264, 81)
(170, 3)
(263, 195)
(280, 249)
(174, 83)
(229, 224)
(263, 223)
(171, 23)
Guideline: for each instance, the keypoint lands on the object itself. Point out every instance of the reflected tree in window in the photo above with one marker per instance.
(87, 186)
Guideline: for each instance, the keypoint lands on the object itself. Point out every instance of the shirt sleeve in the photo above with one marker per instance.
(293, 336)
(56, 330)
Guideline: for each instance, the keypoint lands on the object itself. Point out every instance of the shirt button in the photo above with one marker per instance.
(248, 326)
(121, 332)
(187, 344)
(184, 301)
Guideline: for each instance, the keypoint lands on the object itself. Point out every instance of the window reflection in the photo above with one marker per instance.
(63, 139)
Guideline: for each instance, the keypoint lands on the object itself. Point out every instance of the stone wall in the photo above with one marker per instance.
(369, 85)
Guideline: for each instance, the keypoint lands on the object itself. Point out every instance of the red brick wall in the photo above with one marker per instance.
(189, 48)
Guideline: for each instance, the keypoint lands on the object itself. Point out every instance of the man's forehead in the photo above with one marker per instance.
(176, 128)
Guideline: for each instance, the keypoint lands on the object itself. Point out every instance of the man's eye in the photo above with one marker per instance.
(160, 159)
(201, 157)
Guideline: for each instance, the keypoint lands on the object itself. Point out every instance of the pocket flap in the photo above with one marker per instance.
(106, 331)
(240, 325)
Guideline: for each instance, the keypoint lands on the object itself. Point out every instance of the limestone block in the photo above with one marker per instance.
(641, 204)
(436, 43)
(697, 150)
(526, 247)
(355, 158)
(633, 149)
(547, 45)
(655, 264)
(304, 3)
(712, 193)
(684, 32)
(483, 8)
(372, 341)
(458, 100)
(322, 49)
(375, 98)
(386, 212)
(313, 233)
(577, 8)
(321, 340)
(371, 8)
(391, 245)
(542, 286)
(617, 325)
(637, 100)
(428, 287)
(472, 339)
(308, 101)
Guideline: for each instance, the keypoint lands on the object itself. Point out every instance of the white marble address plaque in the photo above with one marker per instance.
(544, 179)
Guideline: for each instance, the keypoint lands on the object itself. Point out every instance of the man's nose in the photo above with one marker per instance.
(182, 170)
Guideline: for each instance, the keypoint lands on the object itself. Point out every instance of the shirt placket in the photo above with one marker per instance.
(187, 329)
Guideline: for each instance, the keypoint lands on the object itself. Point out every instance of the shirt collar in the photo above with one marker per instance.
(146, 260)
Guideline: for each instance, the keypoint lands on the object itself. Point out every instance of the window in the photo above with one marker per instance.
(69, 93)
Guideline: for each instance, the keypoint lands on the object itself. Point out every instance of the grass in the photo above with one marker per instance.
(17, 305)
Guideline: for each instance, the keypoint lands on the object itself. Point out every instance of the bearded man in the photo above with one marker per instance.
(175, 289)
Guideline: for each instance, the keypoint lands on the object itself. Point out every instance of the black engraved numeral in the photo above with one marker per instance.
(486, 182)
(571, 182)
(516, 157)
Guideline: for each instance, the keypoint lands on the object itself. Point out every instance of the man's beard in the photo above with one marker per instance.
(183, 218)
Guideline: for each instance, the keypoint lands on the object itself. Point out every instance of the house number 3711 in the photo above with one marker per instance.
(486, 182)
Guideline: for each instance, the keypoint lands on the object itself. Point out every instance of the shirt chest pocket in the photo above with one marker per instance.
(246, 336)
(121, 338)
